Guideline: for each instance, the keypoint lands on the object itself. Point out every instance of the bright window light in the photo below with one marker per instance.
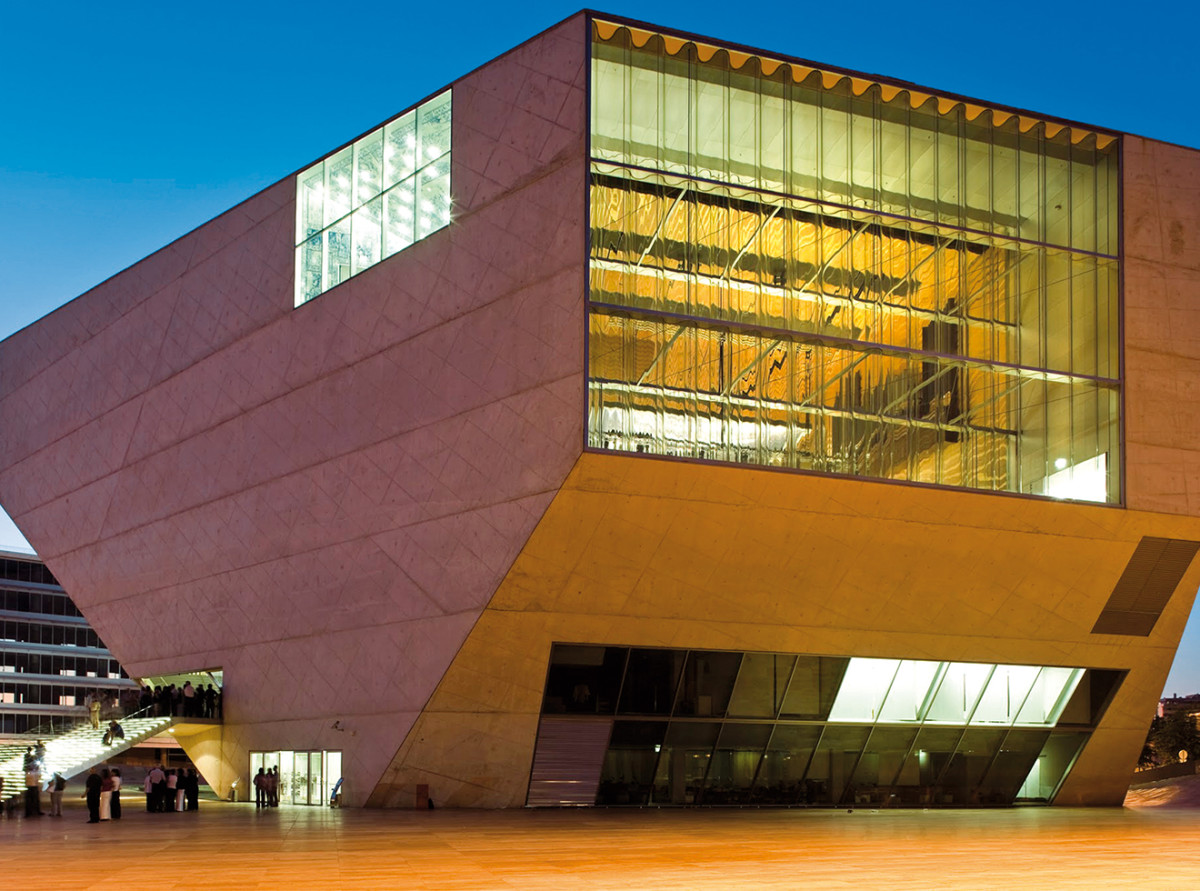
(354, 208)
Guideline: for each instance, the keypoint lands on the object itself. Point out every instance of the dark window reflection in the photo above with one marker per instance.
(627, 776)
(683, 765)
(814, 686)
(707, 682)
(735, 762)
(761, 683)
(876, 771)
(650, 681)
(584, 679)
(1013, 762)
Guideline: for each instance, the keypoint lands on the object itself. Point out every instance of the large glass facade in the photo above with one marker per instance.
(373, 198)
(804, 270)
(704, 727)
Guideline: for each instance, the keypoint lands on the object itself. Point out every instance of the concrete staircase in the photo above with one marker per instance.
(73, 752)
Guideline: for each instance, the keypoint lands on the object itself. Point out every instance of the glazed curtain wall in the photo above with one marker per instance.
(802, 270)
(708, 727)
(373, 198)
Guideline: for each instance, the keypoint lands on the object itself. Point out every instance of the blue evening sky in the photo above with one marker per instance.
(125, 125)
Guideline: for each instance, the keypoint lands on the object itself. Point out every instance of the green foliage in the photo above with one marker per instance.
(1172, 734)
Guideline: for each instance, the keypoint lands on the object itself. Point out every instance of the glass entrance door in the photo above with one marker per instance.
(304, 777)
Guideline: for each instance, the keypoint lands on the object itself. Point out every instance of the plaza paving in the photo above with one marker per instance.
(233, 846)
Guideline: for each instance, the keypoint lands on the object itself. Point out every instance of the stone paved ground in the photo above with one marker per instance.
(231, 846)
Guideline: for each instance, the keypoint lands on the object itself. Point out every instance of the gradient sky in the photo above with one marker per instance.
(127, 125)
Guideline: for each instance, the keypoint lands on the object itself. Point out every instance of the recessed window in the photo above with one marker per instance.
(373, 198)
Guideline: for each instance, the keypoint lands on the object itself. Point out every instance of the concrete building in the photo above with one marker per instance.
(51, 660)
(647, 420)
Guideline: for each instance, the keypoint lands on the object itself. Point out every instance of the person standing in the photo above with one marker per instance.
(273, 786)
(106, 791)
(193, 790)
(92, 786)
(33, 790)
(156, 782)
(260, 788)
(57, 785)
(168, 803)
(94, 710)
(189, 700)
(116, 795)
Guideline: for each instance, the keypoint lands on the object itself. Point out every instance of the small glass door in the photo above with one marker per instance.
(304, 777)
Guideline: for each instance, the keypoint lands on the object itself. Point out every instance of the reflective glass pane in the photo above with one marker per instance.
(310, 267)
(338, 253)
(584, 679)
(707, 682)
(366, 230)
(433, 129)
(877, 768)
(961, 685)
(815, 682)
(781, 776)
(683, 762)
(1049, 695)
(1005, 694)
(400, 215)
(833, 761)
(1013, 763)
(433, 197)
(368, 168)
(916, 785)
(627, 775)
(863, 689)
(911, 691)
(761, 682)
(650, 681)
(338, 203)
(339, 185)
(1051, 765)
(400, 149)
(735, 762)
(310, 203)
(960, 783)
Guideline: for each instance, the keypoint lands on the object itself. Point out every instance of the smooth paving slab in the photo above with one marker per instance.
(234, 846)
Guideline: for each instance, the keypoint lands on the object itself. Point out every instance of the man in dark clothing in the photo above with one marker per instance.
(93, 796)
(192, 790)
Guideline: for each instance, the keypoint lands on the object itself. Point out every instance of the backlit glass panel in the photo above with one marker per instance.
(371, 199)
(702, 727)
(803, 270)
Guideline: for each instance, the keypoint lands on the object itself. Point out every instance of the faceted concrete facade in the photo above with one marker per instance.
(319, 500)
(375, 511)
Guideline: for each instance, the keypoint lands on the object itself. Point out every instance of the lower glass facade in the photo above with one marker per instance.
(702, 727)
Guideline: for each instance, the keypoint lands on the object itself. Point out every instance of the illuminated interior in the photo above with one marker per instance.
(709, 727)
(373, 198)
(802, 270)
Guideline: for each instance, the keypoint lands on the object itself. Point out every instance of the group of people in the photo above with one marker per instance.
(103, 793)
(188, 701)
(34, 763)
(266, 787)
(168, 791)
